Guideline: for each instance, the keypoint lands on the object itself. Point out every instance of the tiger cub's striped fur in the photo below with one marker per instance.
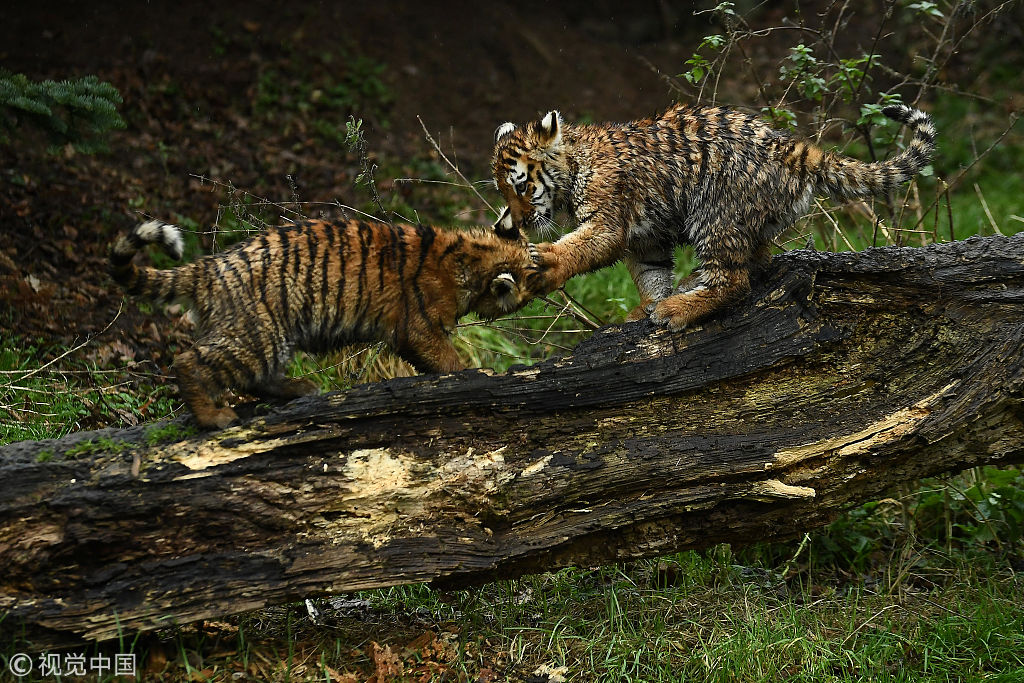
(315, 286)
(719, 179)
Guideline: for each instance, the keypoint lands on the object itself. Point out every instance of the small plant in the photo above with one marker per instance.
(927, 8)
(780, 116)
(168, 432)
(103, 444)
(79, 112)
(803, 70)
(355, 140)
(871, 113)
(701, 66)
(981, 508)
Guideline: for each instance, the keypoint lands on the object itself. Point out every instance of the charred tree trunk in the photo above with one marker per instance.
(841, 375)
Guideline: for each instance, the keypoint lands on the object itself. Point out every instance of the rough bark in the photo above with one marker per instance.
(841, 375)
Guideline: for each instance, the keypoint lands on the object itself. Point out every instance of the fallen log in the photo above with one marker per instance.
(840, 376)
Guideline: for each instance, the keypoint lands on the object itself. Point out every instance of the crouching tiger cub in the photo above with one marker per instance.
(315, 286)
(721, 180)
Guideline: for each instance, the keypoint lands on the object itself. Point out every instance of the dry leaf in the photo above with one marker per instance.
(386, 663)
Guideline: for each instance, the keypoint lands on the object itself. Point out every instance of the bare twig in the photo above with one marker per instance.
(963, 172)
(835, 225)
(454, 166)
(35, 371)
(568, 308)
(988, 214)
(597, 319)
(874, 46)
(484, 348)
(283, 207)
(672, 83)
(522, 334)
(485, 323)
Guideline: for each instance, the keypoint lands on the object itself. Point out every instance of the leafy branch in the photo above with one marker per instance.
(78, 112)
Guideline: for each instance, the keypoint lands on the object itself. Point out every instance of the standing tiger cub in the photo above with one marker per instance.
(315, 286)
(721, 180)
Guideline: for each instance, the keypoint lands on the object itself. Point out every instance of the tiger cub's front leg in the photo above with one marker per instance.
(591, 246)
(430, 350)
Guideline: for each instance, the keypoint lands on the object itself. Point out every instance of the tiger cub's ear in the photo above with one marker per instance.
(503, 288)
(503, 130)
(549, 128)
(503, 227)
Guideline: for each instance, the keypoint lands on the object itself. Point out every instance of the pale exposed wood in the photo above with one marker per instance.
(842, 375)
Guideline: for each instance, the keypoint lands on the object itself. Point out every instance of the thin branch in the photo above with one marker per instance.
(522, 334)
(835, 225)
(672, 83)
(484, 323)
(453, 166)
(963, 172)
(599, 321)
(567, 308)
(988, 214)
(35, 371)
(484, 348)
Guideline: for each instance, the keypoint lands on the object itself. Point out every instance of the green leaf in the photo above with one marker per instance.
(929, 8)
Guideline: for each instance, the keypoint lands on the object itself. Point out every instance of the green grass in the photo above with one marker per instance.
(48, 393)
(93, 446)
(703, 617)
(168, 432)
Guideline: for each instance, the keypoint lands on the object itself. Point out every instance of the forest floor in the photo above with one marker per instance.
(239, 115)
(246, 110)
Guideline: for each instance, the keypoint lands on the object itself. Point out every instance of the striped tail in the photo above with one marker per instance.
(847, 178)
(149, 282)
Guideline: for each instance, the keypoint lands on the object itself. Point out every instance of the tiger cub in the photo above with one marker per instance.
(721, 180)
(315, 286)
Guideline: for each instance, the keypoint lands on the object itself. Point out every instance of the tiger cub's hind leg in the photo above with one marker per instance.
(652, 275)
(715, 288)
(198, 389)
(761, 260)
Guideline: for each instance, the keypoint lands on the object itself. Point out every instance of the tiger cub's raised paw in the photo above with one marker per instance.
(549, 271)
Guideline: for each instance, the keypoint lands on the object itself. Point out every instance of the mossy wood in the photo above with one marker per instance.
(841, 375)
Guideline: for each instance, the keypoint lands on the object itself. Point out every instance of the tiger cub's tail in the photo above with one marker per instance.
(847, 178)
(149, 282)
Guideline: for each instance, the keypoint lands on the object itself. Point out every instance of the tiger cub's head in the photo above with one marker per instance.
(529, 171)
(510, 278)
